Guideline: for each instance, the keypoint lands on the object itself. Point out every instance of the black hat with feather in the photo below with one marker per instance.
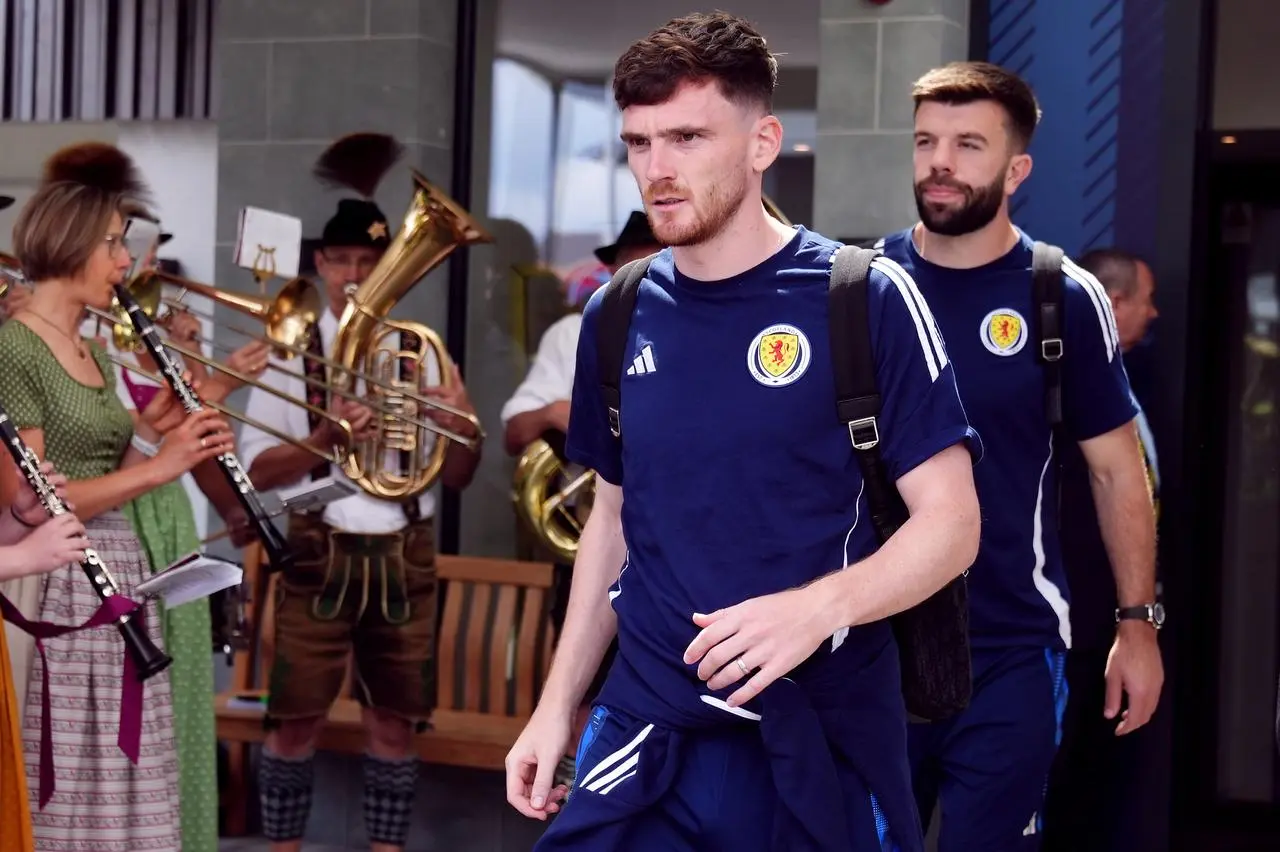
(357, 162)
(99, 166)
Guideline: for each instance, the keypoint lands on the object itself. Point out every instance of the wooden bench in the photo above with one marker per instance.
(494, 646)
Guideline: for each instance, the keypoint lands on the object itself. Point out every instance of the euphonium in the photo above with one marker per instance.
(395, 352)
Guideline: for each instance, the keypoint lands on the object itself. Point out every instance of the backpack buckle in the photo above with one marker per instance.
(864, 433)
(615, 423)
(1051, 349)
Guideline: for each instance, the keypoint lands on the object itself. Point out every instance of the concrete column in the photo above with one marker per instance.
(870, 53)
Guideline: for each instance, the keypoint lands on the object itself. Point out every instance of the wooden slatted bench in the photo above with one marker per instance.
(494, 646)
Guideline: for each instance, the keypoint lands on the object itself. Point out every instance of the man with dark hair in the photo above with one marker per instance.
(1102, 788)
(755, 702)
(988, 765)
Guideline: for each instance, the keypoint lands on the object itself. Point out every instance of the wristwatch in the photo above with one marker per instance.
(1152, 613)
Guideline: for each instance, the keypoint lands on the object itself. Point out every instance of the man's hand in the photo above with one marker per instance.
(1135, 667)
(455, 394)
(770, 635)
(531, 765)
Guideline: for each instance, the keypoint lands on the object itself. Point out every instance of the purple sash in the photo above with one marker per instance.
(130, 736)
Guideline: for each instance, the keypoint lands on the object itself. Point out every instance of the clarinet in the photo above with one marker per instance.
(278, 551)
(147, 658)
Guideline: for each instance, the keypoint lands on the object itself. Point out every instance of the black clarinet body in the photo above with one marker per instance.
(278, 551)
(147, 658)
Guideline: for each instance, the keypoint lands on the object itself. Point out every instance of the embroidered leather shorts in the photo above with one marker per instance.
(371, 596)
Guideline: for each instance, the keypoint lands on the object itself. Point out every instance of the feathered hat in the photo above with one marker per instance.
(358, 162)
(98, 166)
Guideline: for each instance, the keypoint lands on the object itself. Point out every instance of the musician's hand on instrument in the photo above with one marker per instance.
(184, 329)
(249, 360)
(27, 506)
(358, 417)
(57, 541)
(455, 395)
(201, 436)
(165, 411)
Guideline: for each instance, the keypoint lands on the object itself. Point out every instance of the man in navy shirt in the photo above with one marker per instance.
(755, 702)
(988, 766)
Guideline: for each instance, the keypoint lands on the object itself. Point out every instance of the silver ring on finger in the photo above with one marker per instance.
(742, 665)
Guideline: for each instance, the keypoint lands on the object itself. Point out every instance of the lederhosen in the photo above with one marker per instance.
(375, 583)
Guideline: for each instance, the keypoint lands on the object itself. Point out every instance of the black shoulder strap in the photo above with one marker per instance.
(612, 330)
(853, 363)
(1046, 271)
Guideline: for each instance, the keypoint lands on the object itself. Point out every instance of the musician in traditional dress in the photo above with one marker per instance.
(165, 523)
(364, 579)
(31, 542)
(59, 390)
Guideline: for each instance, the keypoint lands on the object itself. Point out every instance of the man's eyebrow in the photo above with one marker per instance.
(667, 133)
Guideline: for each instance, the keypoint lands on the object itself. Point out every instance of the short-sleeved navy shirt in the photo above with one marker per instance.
(738, 478)
(1018, 590)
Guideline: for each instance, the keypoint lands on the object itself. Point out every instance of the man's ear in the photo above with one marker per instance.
(767, 143)
(1017, 173)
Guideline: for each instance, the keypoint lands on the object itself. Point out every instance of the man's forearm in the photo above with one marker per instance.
(932, 548)
(525, 428)
(590, 622)
(459, 466)
(282, 466)
(1127, 521)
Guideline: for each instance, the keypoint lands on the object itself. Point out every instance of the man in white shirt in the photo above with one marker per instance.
(541, 402)
(364, 581)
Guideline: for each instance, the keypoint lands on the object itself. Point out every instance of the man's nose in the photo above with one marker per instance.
(658, 164)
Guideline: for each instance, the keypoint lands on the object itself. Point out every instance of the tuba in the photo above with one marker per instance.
(389, 356)
(552, 505)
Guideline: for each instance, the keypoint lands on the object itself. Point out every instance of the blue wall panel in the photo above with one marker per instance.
(1095, 66)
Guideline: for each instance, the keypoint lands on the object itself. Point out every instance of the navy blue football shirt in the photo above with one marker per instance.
(738, 478)
(1018, 590)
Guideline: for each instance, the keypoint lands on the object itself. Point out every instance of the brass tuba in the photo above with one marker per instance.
(393, 353)
(553, 509)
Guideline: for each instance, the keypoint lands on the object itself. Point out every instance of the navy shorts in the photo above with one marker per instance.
(989, 766)
(640, 788)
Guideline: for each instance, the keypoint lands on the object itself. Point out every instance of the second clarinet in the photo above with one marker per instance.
(147, 658)
(278, 551)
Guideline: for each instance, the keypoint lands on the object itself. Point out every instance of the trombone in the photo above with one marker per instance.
(11, 275)
(290, 318)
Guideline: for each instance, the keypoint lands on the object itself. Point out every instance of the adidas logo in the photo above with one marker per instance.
(643, 363)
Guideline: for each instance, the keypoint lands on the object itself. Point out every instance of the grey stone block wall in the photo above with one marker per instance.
(870, 56)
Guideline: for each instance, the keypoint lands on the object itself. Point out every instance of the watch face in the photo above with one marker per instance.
(1157, 615)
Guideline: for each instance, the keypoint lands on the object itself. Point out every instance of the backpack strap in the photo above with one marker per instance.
(613, 326)
(1046, 273)
(853, 363)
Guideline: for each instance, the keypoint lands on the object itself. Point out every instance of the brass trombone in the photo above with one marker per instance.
(434, 226)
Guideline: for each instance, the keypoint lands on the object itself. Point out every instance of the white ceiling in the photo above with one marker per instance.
(585, 37)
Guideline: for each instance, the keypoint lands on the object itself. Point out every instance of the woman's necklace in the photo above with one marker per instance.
(77, 341)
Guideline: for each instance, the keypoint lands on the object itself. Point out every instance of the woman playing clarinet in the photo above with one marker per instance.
(31, 542)
(59, 390)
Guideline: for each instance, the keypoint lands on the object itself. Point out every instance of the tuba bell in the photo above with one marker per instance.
(553, 509)
(394, 353)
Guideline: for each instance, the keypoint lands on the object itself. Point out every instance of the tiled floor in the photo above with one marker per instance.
(457, 810)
